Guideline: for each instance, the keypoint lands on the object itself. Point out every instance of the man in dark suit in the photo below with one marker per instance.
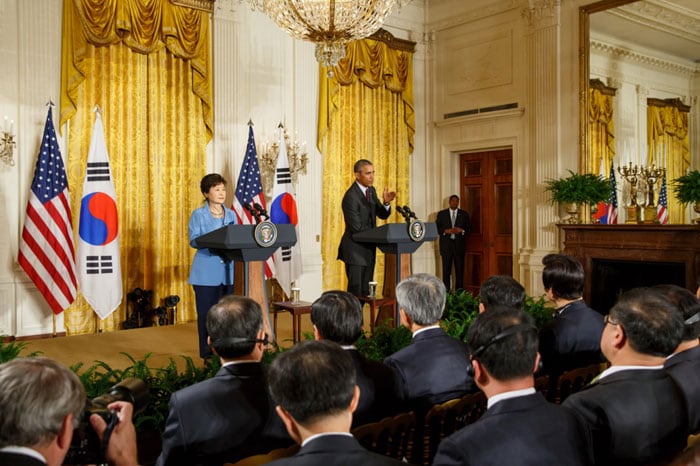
(361, 206)
(433, 368)
(520, 426)
(684, 364)
(634, 410)
(229, 416)
(573, 338)
(41, 403)
(337, 316)
(314, 387)
(453, 227)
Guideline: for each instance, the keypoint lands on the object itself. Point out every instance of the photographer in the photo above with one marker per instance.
(41, 403)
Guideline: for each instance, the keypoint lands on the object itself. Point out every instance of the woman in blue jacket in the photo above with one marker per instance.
(210, 276)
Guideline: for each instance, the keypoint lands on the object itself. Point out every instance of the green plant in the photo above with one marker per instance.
(583, 189)
(461, 308)
(539, 310)
(687, 187)
(12, 350)
(385, 341)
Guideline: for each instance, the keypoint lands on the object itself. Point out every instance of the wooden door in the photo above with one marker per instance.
(487, 194)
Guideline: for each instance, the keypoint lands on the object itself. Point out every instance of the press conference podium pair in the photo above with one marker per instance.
(394, 240)
(238, 243)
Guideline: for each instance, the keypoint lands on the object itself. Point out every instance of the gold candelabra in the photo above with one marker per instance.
(296, 157)
(7, 144)
(651, 175)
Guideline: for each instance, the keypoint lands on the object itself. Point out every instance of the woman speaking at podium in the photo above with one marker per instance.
(210, 276)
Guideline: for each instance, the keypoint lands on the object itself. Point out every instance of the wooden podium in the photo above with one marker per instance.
(397, 244)
(238, 243)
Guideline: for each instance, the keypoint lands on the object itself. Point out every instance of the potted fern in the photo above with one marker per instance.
(576, 190)
(687, 190)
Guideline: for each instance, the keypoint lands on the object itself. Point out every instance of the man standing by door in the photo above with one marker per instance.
(361, 206)
(453, 227)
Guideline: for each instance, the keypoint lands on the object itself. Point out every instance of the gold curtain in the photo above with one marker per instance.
(365, 111)
(600, 127)
(146, 64)
(669, 146)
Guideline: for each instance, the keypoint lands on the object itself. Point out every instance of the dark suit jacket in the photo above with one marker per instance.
(359, 216)
(444, 221)
(684, 369)
(378, 390)
(635, 416)
(572, 339)
(432, 369)
(17, 459)
(526, 430)
(222, 419)
(336, 450)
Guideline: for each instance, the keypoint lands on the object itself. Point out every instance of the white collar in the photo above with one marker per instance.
(429, 327)
(324, 434)
(613, 369)
(507, 395)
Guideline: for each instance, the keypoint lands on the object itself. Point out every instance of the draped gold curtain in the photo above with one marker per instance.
(600, 127)
(669, 146)
(146, 64)
(365, 111)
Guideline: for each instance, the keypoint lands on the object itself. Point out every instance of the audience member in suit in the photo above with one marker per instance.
(41, 403)
(316, 393)
(573, 339)
(210, 276)
(360, 208)
(337, 316)
(453, 241)
(229, 416)
(433, 368)
(501, 290)
(634, 410)
(684, 364)
(520, 426)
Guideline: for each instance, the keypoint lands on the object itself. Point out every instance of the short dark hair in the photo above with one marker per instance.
(233, 325)
(506, 357)
(502, 289)
(689, 305)
(361, 163)
(422, 297)
(454, 196)
(337, 316)
(211, 180)
(313, 380)
(651, 322)
(563, 275)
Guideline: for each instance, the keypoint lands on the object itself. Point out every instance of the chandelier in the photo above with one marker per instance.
(330, 24)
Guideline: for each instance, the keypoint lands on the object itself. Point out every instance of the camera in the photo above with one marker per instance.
(85, 447)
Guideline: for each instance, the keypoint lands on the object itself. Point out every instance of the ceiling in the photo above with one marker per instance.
(668, 26)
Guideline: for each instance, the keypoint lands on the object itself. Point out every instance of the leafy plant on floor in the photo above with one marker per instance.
(385, 341)
(12, 350)
(461, 308)
(539, 310)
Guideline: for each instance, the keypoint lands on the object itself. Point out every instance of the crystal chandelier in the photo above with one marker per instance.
(330, 24)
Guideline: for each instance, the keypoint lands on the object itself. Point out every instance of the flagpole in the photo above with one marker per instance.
(53, 335)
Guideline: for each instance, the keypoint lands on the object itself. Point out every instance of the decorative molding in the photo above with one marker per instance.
(206, 5)
(662, 16)
(644, 59)
(474, 15)
(382, 35)
(498, 115)
(541, 10)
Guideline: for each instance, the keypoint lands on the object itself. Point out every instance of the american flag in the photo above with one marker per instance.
(46, 250)
(662, 208)
(249, 191)
(611, 218)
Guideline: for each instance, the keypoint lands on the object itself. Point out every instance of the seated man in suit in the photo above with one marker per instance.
(229, 416)
(573, 339)
(634, 410)
(520, 426)
(314, 387)
(41, 403)
(337, 316)
(684, 364)
(433, 368)
(501, 290)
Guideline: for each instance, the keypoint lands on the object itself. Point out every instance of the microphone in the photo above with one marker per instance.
(411, 214)
(253, 212)
(403, 212)
(261, 210)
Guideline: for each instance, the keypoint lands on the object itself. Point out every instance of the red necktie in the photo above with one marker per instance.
(367, 196)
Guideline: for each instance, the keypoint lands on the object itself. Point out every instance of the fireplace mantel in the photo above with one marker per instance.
(647, 244)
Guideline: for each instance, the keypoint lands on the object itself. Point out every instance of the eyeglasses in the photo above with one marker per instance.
(607, 320)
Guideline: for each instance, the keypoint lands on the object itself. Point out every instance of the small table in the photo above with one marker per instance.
(377, 303)
(297, 309)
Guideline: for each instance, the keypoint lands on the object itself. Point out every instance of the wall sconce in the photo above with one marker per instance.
(7, 144)
(296, 155)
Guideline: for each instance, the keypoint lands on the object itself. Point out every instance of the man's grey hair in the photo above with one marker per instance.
(422, 297)
(36, 395)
